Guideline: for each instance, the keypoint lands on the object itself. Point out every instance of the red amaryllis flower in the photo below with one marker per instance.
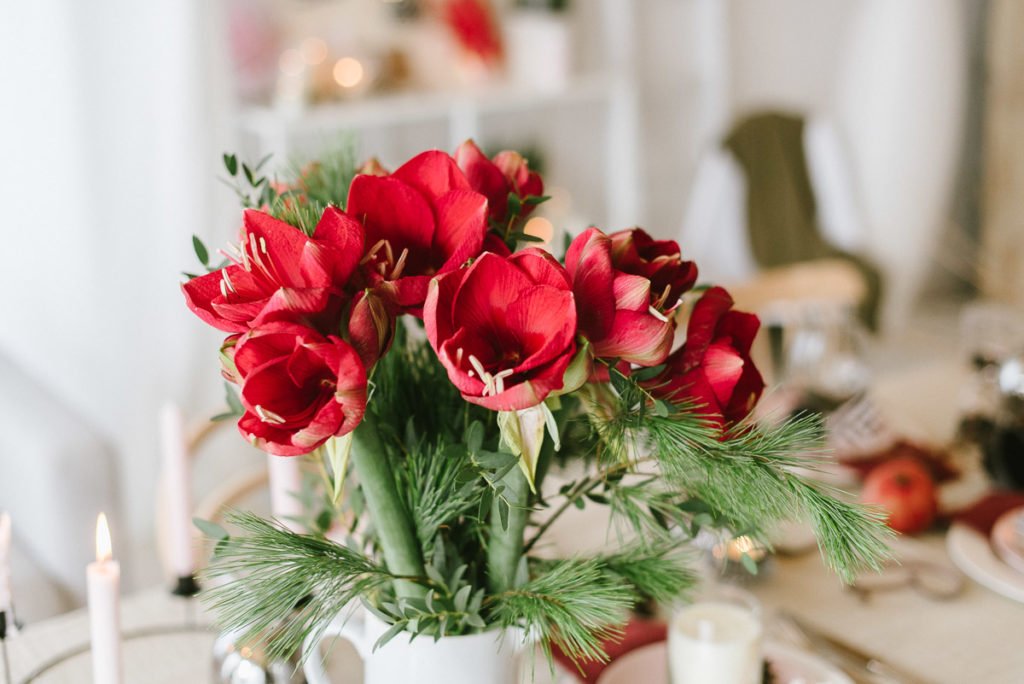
(504, 328)
(636, 252)
(713, 369)
(624, 301)
(299, 388)
(278, 273)
(507, 173)
(422, 220)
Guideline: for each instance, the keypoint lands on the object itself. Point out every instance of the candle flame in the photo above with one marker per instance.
(104, 552)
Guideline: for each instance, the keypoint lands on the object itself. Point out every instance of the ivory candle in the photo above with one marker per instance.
(104, 580)
(285, 473)
(177, 491)
(5, 563)
(715, 642)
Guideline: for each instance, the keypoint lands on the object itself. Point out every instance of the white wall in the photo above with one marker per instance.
(106, 136)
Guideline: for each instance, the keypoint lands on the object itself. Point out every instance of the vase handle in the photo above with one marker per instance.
(350, 627)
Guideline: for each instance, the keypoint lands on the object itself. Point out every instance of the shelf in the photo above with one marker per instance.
(418, 107)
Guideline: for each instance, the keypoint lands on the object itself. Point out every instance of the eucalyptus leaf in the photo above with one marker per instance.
(211, 530)
(392, 631)
(200, 249)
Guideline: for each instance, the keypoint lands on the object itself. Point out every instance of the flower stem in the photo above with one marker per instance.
(505, 547)
(390, 517)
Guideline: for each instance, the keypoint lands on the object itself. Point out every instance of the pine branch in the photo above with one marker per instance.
(659, 572)
(575, 605)
(746, 477)
(283, 588)
(748, 480)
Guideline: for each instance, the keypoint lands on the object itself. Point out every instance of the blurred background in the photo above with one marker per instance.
(853, 169)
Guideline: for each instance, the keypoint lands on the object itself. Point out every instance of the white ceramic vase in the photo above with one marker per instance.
(490, 657)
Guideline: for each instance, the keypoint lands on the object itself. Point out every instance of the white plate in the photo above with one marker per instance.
(1007, 539)
(972, 553)
(790, 665)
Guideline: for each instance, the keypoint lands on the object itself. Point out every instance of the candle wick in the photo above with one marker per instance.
(705, 630)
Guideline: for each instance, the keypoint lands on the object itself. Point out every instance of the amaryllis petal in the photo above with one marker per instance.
(371, 326)
(541, 267)
(283, 251)
(343, 237)
(638, 337)
(393, 211)
(589, 264)
(484, 177)
(491, 283)
(200, 294)
(286, 302)
(433, 173)
(543, 381)
(463, 216)
(703, 322)
(723, 367)
(437, 309)
(543, 329)
(742, 327)
(632, 292)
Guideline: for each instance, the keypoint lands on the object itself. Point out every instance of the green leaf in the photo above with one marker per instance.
(475, 436)
(461, 600)
(231, 163)
(645, 374)
(339, 450)
(520, 236)
(662, 408)
(261, 162)
(190, 276)
(211, 530)
(748, 564)
(435, 576)
(324, 520)
(514, 204)
(234, 403)
(201, 252)
(503, 510)
(393, 631)
(534, 200)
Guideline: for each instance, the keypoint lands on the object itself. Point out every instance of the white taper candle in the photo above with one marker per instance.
(285, 473)
(104, 580)
(177, 491)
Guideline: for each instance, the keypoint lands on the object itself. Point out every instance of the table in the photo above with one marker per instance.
(973, 639)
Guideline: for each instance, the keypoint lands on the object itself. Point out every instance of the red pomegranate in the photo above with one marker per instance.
(906, 490)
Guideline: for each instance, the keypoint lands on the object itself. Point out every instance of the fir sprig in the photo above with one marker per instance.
(575, 605)
(747, 477)
(283, 587)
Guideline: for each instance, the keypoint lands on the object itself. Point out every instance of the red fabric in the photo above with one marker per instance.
(638, 633)
(983, 514)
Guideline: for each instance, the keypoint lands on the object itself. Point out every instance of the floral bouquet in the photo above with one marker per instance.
(402, 331)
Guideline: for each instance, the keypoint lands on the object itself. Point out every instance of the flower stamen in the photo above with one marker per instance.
(400, 265)
(657, 314)
(268, 416)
